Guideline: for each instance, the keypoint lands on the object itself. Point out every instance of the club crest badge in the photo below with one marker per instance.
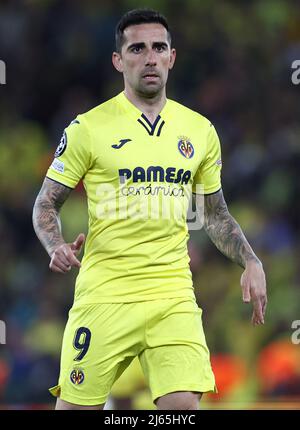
(185, 147)
(62, 146)
(77, 376)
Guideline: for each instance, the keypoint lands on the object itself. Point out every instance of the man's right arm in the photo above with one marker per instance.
(47, 226)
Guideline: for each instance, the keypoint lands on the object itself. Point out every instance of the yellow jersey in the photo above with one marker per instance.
(138, 178)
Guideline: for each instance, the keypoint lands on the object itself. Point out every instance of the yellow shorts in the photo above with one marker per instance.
(101, 340)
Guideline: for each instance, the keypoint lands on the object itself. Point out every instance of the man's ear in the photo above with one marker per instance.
(172, 58)
(117, 61)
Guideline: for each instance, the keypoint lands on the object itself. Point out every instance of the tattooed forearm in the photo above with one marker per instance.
(45, 217)
(224, 231)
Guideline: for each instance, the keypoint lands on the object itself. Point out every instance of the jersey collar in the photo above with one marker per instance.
(153, 129)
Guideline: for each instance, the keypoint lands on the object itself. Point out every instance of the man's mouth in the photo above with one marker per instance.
(150, 76)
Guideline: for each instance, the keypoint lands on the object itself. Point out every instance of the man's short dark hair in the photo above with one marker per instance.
(135, 17)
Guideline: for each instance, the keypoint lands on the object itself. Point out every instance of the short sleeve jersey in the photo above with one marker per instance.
(138, 177)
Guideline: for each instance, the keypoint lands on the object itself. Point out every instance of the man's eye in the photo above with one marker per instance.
(136, 49)
(160, 48)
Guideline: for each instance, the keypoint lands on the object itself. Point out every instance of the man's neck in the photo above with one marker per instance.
(151, 106)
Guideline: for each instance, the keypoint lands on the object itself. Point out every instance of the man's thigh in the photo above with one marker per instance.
(177, 357)
(62, 405)
(99, 343)
(180, 400)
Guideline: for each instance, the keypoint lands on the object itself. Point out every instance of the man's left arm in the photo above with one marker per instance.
(228, 237)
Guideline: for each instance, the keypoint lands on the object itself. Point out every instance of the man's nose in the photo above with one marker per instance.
(151, 58)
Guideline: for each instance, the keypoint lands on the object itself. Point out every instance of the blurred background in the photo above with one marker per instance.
(233, 66)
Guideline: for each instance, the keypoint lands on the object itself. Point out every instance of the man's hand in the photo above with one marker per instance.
(253, 282)
(64, 256)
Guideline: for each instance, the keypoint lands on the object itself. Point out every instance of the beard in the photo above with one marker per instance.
(150, 89)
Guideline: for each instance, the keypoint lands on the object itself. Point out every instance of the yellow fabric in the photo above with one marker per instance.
(138, 194)
(166, 335)
(130, 381)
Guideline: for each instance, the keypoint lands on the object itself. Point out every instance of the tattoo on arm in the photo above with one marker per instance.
(45, 217)
(224, 231)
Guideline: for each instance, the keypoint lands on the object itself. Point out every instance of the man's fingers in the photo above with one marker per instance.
(58, 268)
(258, 311)
(255, 320)
(57, 261)
(264, 306)
(246, 292)
(63, 258)
(54, 268)
(71, 259)
(253, 283)
(78, 242)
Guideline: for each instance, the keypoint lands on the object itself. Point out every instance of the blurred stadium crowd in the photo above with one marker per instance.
(233, 66)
